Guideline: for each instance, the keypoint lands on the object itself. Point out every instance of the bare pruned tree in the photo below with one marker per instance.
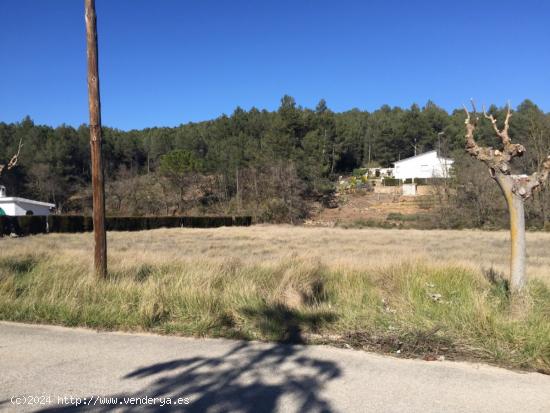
(516, 188)
(13, 161)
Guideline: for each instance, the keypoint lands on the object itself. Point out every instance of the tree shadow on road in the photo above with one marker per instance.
(249, 377)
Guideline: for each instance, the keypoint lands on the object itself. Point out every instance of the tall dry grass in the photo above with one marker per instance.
(335, 247)
(405, 292)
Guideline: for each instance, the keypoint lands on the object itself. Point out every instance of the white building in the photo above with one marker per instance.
(13, 206)
(425, 165)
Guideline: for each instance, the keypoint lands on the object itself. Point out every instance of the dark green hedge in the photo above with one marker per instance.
(24, 225)
(391, 181)
(69, 223)
(27, 225)
(424, 181)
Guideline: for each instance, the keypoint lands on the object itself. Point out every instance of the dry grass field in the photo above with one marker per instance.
(336, 248)
(406, 292)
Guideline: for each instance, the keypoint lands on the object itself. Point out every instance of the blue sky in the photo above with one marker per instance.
(167, 62)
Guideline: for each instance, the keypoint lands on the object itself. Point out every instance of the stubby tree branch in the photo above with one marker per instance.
(504, 133)
(528, 185)
(509, 148)
(13, 161)
(486, 155)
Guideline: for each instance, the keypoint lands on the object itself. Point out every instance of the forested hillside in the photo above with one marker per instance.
(268, 164)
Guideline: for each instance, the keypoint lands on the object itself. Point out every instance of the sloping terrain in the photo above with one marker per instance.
(353, 207)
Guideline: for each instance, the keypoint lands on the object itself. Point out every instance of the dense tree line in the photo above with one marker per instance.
(270, 164)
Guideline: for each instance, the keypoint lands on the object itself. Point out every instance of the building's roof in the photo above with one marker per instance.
(423, 154)
(6, 200)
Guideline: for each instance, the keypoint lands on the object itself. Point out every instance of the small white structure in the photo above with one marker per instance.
(409, 189)
(13, 206)
(425, 165)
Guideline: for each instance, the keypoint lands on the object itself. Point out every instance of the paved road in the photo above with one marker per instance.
(109, 369)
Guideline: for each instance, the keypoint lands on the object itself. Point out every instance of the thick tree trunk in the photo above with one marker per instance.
(517, 232)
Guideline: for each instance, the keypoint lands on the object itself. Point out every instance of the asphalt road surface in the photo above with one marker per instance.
(60, 369)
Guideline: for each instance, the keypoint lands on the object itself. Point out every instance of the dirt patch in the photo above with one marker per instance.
(425, 344)
(431, 345)
(370, 206)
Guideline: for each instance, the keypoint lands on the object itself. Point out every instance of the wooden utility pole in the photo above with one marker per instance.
(98, 185)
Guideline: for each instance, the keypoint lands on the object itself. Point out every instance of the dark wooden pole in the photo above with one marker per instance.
(98, 185)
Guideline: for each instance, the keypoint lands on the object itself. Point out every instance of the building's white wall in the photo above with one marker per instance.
(36, 209)
(428, 165)
(20, 208)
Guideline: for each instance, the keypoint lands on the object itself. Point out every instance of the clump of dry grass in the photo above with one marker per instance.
(408, 306)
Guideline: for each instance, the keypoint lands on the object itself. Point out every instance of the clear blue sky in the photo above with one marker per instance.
(167, 62)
